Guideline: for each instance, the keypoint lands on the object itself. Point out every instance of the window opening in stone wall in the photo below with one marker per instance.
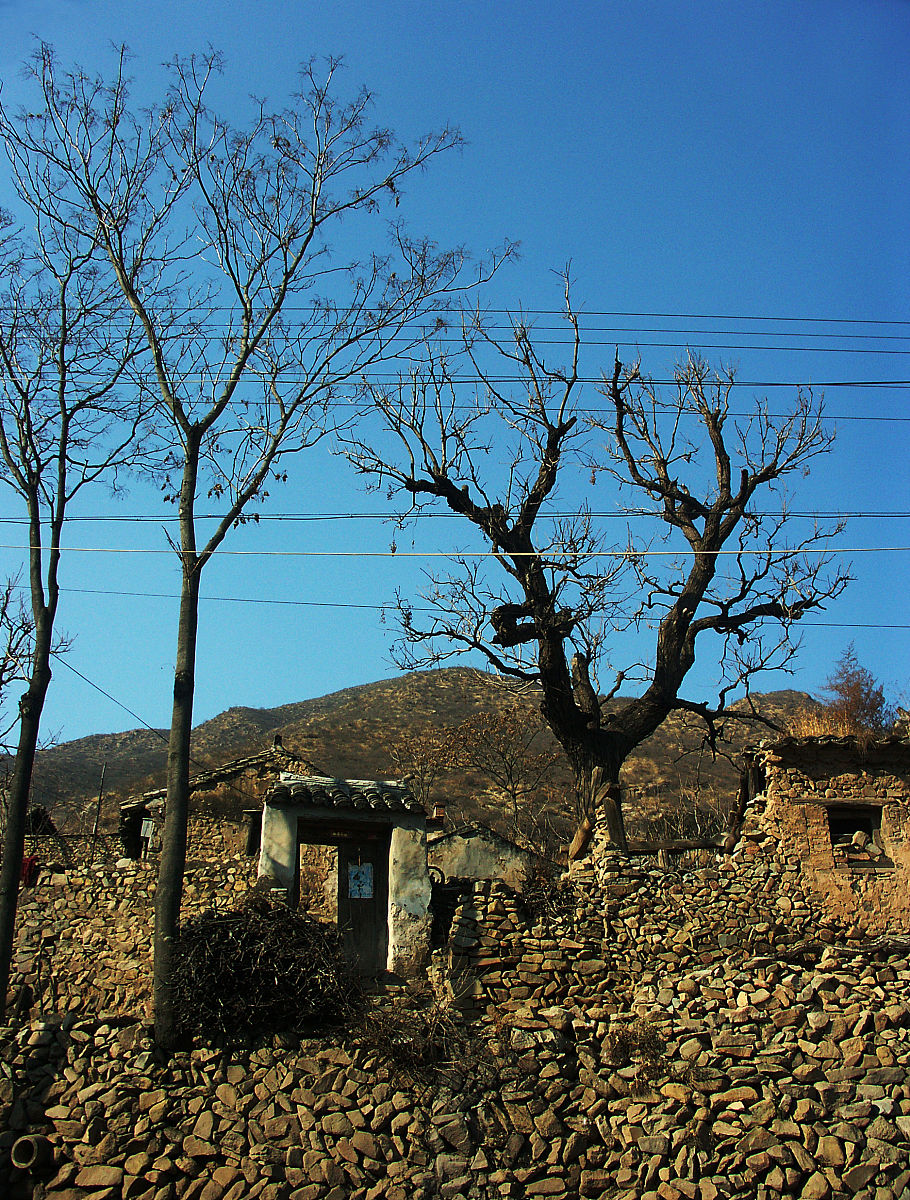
(252, 830)
(447, 894)
(856, 835)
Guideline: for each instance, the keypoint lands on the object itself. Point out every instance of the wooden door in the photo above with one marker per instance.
(363, 902)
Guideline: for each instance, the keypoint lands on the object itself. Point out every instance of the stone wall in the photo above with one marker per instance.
(807, 785)
(632, 1033)
(84, 934)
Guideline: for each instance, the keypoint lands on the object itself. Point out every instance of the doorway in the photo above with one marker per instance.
(344, 879)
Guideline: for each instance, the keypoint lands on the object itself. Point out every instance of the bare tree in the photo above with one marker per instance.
(507, 747)
(424, 757)
(16, 642)
(254, 322)
(543, 600)
(64, 426)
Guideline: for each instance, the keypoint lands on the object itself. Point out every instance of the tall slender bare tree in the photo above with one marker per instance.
(17, 636)
(548, 593)
(266, 280)
(66, 423)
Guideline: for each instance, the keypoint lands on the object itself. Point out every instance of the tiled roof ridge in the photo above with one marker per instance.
(329, 791)
(237, 765)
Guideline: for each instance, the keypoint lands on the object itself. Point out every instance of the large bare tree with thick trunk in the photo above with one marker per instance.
(265, 279)
(544, 591)
(65, 425)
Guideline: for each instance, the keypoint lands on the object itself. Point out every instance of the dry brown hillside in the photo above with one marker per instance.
(349, 733)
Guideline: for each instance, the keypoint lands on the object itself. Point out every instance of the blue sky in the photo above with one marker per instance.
(743, 160)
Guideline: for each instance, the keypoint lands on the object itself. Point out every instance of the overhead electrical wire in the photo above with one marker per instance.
(163, 737)
(695, 341)
(520, 311)
(440, 514)
(550, 556)
(393, 377)
(450, 334)
(390, 607)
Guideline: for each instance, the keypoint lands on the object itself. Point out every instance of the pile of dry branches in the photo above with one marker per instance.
(417, 1036)
(260, 969)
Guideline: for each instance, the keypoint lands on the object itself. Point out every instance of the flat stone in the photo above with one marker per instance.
(856, 1178)
(99, 1176)
(816, 1187)
(337, 1124)
(830, 1151)
(221, 1181)
(364, 1143)
(194, 1147)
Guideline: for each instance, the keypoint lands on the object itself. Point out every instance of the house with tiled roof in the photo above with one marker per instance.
(379, 874)
(359, 844)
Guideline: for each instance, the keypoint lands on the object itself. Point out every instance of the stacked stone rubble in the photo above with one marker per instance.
(638, 1034)
(84, 937)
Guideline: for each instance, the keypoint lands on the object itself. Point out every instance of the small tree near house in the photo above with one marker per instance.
(424, 757)
(853, 704)
(855, 697)
(506, 747)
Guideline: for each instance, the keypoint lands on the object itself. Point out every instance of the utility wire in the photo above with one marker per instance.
(647, 316)
(451, 336)
(425, 514)
(697, 341)
(392, 607)
(98, 688)
(550, 556)
(195, 762)
(393, 376)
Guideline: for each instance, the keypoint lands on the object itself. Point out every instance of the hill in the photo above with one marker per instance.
(350, 733)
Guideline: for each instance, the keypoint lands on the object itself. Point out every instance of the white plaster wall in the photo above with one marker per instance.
(478, 857)
(278, 855)
(409, 901)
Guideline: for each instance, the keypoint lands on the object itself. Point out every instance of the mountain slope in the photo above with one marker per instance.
(349, 733)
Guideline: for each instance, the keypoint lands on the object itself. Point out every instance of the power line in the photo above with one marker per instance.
(550, 556)
(393, 607)
(649, 316)
(439, 514)
(98, 688)
(195, 762)
(376, 374)
(449, 336)
(696, 340)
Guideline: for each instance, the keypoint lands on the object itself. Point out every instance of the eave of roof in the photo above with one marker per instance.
(377, 796)
(853, 742)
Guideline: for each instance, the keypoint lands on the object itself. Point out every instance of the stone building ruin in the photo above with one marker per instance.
(648, 1031)
(840, 809)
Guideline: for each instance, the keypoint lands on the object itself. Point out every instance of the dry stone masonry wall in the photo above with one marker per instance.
(84, 934)
(632, 1033)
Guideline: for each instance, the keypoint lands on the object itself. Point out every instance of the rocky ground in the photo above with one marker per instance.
(754, 1077)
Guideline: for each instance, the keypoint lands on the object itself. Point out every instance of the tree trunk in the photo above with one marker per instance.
(30, 708)
(173, 848)
(601, 801)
